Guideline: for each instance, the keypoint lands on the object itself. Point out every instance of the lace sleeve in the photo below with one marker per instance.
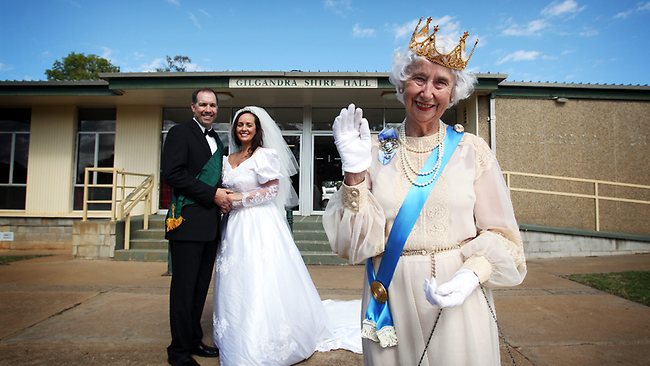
(496, 255)
(484, 156)
(258, 196)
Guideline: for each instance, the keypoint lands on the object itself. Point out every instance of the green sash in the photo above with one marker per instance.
(209, 174)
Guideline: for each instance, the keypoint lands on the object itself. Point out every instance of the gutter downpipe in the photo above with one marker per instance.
(493, 123)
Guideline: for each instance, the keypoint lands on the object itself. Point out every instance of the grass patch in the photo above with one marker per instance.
(631, 285)
(6, 259)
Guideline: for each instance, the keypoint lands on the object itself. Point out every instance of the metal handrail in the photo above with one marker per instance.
(88, 186)
(121, 203)
(596, 196)
(141, 193)
(121, 207)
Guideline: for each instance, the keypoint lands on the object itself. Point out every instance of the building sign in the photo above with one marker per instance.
(6, 236)
(333, 83)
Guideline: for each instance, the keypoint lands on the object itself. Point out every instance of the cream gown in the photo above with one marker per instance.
(469, 205)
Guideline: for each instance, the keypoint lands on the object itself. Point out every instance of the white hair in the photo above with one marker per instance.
(464, 81)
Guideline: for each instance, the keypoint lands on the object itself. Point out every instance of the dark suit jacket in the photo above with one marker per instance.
(185, 152)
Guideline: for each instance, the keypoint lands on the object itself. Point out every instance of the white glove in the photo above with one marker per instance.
(430, 287)
(453, 292)
(352, 139)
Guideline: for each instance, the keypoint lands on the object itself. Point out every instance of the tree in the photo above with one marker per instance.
(78, 66)
(176, 64)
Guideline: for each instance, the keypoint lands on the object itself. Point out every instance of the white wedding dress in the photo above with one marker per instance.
(266, 308)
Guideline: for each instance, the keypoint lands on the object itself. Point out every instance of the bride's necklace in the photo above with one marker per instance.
(407, 167)
(241, 157)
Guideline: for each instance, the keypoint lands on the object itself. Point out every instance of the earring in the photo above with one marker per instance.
(400, 90)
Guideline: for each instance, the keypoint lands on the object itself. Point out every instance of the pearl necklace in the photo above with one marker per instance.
(407, 167)
(403, 141)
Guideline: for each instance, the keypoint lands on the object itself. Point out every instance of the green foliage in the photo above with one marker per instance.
(176, 64)
(631, 285)
(78, 66)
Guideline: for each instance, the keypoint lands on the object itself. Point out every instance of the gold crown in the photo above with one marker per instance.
(424, 45)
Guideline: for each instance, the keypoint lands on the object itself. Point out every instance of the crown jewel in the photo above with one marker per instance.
(424, 45)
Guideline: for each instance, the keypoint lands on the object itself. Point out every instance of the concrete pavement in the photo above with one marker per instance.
(57, 310)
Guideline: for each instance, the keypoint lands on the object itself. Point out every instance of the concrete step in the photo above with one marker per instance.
(141, 255)
(322, 258)
(155, 222)
(308, 225)
(313, 246)
(312, 235)
(148, 234)
(159, 255)
(161, 244)
(150, 245)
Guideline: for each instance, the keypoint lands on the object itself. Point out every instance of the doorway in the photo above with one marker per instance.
(327, 170)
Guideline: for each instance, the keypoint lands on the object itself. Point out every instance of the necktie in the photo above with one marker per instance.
(210, 132)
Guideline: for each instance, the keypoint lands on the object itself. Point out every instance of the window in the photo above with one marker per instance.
(394, 116)
(95, 148)
(14, 149)
(288, 119)
(322, 118)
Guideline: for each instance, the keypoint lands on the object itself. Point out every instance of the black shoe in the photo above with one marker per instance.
(205, 351)
(189, 361)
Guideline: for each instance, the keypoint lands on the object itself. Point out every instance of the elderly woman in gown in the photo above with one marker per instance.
(432, 302)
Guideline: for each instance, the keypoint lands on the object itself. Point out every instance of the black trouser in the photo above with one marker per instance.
(192, 266)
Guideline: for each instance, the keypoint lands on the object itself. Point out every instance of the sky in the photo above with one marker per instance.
(563, 41)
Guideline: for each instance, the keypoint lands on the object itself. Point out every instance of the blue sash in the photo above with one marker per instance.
(378, 312)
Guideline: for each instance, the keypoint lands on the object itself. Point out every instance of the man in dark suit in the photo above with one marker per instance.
(193, 242)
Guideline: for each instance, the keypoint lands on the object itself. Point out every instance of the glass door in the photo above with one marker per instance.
(293, 141)
(328, 174)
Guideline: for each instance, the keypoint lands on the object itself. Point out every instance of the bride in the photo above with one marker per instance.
(267, 310)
